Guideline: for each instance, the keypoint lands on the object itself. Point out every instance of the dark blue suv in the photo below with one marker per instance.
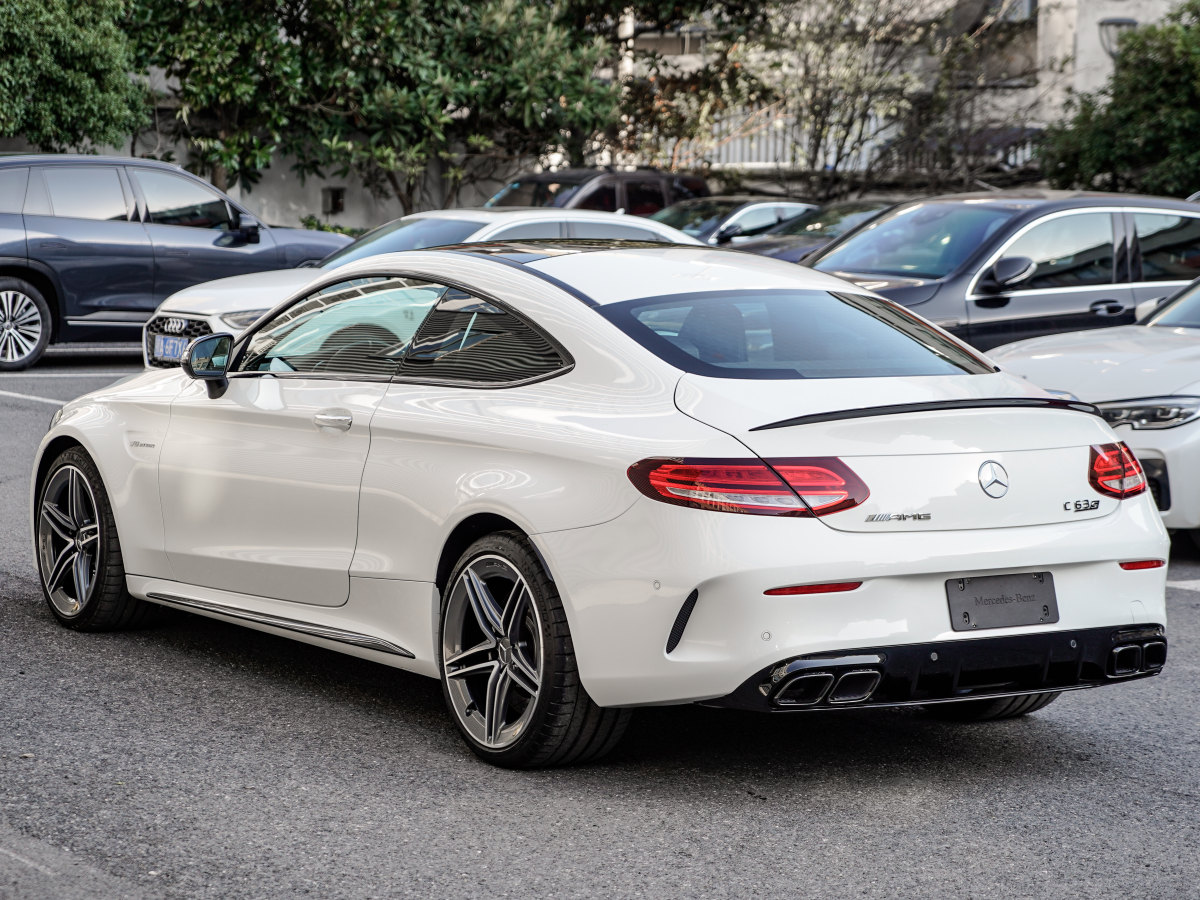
(90, 245)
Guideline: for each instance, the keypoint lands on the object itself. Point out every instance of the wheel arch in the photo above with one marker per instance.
(463, 535)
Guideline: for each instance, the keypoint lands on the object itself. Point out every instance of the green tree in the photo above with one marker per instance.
(64, 74)
(1141, 132)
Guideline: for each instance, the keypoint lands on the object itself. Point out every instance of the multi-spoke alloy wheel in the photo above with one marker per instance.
(68, 540)
(492, 651)
(508, 665)
(78, 552)
(24, 324)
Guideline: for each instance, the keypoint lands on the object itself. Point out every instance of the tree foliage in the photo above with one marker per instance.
(1141, 132)
(64, 74)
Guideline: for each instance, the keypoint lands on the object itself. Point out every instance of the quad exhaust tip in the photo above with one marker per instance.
(1130, 659)
(811, 688)
(855, 686)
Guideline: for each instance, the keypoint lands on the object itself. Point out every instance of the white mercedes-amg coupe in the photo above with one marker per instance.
(568, 480)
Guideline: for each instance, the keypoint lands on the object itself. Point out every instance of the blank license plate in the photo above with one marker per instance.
(170, 347)
(1001, 601)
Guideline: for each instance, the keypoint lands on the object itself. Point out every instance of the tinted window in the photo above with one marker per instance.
(790, 334)
(530, 231)
(403, 234)
(603, 198)
(469, 340)
(612, 231)
(86, 192)
(535, 193)
(1170, 246)
(926, 240)
(350, 329)
(1069, 251)
(688, 187)
(643, 197)
(12, 189)
(829, 221)
(175, 200)
(756, 219)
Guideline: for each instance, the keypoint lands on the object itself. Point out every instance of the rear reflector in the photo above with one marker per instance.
(835, 587)
(784, 487)
(1136, 564)
(1115, 472)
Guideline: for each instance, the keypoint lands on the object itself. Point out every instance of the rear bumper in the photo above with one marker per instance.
(947, 671)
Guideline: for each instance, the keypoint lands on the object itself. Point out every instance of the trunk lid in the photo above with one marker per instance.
(926, 463)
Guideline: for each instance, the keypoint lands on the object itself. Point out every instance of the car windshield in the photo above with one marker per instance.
(536, 192)
(828, 221)
(402, 234)
(782, 334)
(696, 217)
(1183, 311)
(924, 240)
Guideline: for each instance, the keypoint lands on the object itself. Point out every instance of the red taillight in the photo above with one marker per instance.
(1134, 565)
(836, 587)
(1115, 472)
(785, 487)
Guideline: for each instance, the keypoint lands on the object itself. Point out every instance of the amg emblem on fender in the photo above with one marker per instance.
(899, 517)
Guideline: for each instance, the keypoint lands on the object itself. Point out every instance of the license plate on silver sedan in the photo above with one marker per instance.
(170, 347)
(1001, 601)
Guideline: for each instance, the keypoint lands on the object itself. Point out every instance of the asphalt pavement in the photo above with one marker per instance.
(199, 759)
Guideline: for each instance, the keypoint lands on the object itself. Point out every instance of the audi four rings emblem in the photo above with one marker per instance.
(993, 479)
(174, 325)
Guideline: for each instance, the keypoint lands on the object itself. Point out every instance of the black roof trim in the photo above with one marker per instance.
(518, 261)
(935, 406)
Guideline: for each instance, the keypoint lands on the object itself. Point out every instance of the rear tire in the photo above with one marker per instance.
(990, 710)
(25, 324)
(508, 667)
(79, 551)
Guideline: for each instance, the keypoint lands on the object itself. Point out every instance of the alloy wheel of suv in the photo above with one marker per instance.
(24, 324)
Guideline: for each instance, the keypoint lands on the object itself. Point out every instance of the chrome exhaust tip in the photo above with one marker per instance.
(807, 689)
(855, 686)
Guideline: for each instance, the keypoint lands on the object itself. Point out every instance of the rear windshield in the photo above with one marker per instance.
(926, 240)
(402, 234)
(790, 334)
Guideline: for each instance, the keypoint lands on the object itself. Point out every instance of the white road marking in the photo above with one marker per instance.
(28, 862)
(1184, 585)
(33, 398)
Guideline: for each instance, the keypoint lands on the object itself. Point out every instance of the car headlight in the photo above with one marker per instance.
(241, 320)
(1152, 412)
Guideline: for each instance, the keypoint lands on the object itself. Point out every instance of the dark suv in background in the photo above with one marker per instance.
(640, 192)
(90, 245)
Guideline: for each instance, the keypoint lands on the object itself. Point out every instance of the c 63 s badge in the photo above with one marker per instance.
(1080, 505)
(900, 517)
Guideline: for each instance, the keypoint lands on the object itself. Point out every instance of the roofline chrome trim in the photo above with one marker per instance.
(326, 632)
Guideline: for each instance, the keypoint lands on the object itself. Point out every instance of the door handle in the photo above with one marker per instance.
(1107, 308)
(174, 251)
(333, 419)
(51, 245)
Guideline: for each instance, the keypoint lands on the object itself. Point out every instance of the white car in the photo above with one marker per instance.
(570, 481)
(232, 304)
(1146, 380)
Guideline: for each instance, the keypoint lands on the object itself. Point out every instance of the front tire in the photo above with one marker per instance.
(24, 324)
(991, 710)
(79, 552)
(508, 667)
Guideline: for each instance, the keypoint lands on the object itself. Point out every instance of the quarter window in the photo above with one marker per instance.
(352, 329)
(86, 192)
(1170, 246)
(645, 197)
(469, 340)
(1069, 251)
(603, 198)
(174, 200)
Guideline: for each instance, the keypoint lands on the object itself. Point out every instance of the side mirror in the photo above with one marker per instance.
(1147, 308)
(207, 360)
(728, 233)
(246, 226)
(1010, 271)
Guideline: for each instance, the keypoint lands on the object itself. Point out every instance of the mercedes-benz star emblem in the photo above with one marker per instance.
(993, 479)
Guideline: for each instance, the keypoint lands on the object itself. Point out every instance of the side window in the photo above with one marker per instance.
(530, 231)
(1069, 251)
(86, 192)
(603, 198)
(354, 328)
(471, 341)
(644, 197)
(756, 219)
(1170, 246)
(12, 189)
(175, 200)
(615, 231)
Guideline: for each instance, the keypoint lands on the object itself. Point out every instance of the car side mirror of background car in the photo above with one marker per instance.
(246, 226)
(1147, 308)
(728, 233)
(207, 360)
(1008, 272)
